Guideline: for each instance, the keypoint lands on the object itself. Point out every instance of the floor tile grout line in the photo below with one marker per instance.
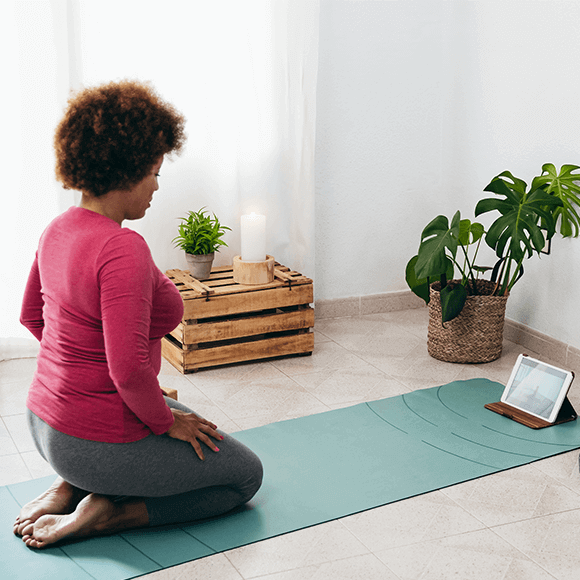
(318, 565)
(223, 410)
(418, 542)
(16, 443)
(213, 403)
(535, 517)
(529, 558)
(11, 438)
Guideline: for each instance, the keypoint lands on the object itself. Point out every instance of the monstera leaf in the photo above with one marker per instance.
(452, 301)
(420, 286)
(437, 237)
(564, 186)
(520, 216)
(470, 232)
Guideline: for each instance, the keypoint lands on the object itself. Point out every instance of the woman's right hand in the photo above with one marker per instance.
(191, 428)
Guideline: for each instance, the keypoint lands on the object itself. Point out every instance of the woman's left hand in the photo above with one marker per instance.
(191, 428)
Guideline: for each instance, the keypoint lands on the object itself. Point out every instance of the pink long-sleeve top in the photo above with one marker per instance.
(99, 307)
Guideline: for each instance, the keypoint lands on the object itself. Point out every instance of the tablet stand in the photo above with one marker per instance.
(567, 413)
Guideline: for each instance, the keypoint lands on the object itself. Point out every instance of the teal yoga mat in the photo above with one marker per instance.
(317, 468)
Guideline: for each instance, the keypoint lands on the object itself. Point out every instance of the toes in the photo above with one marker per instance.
(19, 530)
(33, 543)
(27, 530)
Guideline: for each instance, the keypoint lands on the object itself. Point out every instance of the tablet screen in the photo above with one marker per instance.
(537, 388)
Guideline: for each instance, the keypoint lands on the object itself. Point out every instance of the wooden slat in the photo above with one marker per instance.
(246, 351)
(177, 333)
(172, 353)
(221, 269)
(221, 283)
(230, 287)
(246, 326)
(235, 288)
(282, 275)
(201, 286)
(190, 282)
(171, 393)
(223, 305)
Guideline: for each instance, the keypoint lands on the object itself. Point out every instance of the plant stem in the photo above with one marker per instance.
(515, 276)
(499, 276)
(504, 284)
(474, 286)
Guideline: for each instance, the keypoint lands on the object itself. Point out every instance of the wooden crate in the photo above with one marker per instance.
(225, 322)
(171, 393)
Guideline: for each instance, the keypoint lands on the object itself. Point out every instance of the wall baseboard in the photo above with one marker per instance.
(11, 348)
(553, 350)
(374, 304)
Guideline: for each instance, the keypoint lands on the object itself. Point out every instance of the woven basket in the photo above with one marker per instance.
(476, 335)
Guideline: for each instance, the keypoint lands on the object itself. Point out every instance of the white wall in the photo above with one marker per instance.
(419, 105)
(35, 49)
(522, 87)
(378, 154)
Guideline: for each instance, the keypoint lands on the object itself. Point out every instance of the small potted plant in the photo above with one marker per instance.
(200, 237)
(466, 315)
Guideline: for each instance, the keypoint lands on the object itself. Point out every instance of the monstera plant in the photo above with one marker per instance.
(528, 220)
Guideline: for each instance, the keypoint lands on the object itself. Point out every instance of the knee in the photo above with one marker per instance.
(254, 478)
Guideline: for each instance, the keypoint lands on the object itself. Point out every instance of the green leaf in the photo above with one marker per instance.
(491, 204)
(452, 301)
(519, 222)
(506, 184)
(565, 187)
(469, 232)
(420, 286)
(437, 237)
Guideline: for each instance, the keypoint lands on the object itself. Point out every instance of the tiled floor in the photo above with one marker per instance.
(522, 524)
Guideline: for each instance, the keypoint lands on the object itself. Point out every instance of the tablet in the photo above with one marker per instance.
(537, 388)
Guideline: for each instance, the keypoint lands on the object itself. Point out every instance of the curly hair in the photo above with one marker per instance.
(111, 136)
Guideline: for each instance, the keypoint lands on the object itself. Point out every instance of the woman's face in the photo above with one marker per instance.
(138, 198)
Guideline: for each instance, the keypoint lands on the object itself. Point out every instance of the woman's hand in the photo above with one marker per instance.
(189, 427)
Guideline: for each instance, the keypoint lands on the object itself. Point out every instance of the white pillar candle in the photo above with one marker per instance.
(253, 238)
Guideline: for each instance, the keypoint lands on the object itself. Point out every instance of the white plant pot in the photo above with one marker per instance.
(199, 265)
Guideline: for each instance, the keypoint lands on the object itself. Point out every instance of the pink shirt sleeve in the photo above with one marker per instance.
(127, 279)
(32, 303)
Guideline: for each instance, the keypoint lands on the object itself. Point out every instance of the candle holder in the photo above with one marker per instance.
(253, 273)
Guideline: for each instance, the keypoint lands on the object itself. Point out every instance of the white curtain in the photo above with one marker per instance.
(242, 73)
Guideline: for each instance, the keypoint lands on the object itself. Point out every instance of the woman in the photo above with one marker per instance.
(126, 455)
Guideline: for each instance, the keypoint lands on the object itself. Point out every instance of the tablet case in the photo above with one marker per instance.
(567, 413)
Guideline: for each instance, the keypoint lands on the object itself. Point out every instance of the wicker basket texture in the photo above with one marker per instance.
(476, 335)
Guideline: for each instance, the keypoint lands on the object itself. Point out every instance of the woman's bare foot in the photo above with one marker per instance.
(95, 515)
(60, 498)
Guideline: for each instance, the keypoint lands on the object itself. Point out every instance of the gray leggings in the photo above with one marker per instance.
(165, 472)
